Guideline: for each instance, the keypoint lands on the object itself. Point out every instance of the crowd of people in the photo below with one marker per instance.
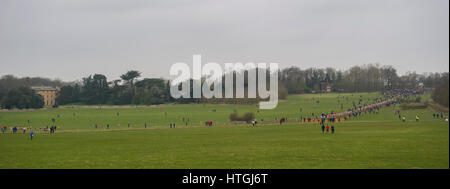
(359, 108)
(15, 129)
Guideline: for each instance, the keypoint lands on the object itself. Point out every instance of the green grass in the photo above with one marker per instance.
(371, 141)
(86, 118)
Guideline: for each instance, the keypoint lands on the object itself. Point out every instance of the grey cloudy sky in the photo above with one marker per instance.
(70, 39)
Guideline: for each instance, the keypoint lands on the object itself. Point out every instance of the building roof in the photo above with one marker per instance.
(44, 88)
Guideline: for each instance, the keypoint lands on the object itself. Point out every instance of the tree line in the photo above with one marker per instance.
(96, 89)
(130, 89)
(365, 78)
(440, 93)
(16, 92)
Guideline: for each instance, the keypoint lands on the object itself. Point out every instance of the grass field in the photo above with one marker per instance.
(370, 141)
(86, 118)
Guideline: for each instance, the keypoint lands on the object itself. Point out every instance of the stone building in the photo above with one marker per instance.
(49, 94)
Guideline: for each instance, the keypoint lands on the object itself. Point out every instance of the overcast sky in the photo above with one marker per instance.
(70, 39)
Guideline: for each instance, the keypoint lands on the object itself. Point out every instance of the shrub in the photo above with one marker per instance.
(22, 98)
(414, 106)
(248, 117)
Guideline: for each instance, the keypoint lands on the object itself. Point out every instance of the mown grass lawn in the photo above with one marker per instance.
(371, 141)
(354, 145)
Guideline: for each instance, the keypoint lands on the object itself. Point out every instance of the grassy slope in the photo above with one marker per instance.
(372, 141)
(156, 116)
